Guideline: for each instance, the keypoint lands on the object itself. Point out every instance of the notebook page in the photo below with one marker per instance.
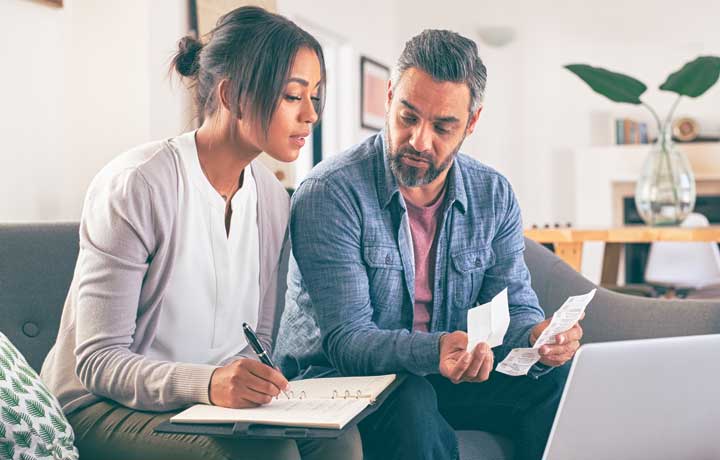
(339, 387)
(333, 414)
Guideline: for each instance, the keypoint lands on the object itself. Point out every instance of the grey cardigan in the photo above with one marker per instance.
(128, 244)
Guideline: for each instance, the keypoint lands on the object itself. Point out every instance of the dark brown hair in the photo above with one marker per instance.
(254, 50)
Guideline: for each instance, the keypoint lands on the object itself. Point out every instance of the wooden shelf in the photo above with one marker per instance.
(629, 234)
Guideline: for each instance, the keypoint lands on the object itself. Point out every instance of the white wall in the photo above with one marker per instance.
(79, 85)
(536, 113)
(82, 83)
(89, 81)
(32, 85)
(366, 28)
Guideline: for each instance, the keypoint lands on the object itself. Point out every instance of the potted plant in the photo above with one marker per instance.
(665, 191)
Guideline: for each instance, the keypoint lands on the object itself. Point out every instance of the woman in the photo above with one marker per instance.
(181, 241)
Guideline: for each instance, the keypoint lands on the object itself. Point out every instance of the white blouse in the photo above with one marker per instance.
(214, 286)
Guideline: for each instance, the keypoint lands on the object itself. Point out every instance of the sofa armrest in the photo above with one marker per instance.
(614, 316)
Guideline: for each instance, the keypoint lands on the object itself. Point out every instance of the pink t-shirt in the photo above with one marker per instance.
(423, 226)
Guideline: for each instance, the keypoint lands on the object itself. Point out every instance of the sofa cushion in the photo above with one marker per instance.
(36, 267)
(32, 425)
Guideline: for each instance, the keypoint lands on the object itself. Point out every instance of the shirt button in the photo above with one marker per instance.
(388, 259)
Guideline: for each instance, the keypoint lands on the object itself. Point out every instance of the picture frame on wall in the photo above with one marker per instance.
(374, 77)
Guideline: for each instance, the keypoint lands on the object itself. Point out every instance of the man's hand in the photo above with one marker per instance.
(460, 366)
(245, 383)
(565, 346)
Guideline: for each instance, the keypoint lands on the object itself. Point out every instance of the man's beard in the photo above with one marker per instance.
(410, 176)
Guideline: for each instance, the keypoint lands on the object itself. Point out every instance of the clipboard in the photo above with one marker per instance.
(259, 431)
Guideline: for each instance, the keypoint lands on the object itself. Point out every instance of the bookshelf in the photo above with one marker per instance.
(608, 128)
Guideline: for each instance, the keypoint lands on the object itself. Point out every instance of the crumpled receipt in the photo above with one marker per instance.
(520, 360)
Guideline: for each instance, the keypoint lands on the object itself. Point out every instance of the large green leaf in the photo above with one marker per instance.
(43, 399)
(695, 77)
(23, 438)
(8, 354)
(25, 456)
(615, 86)
(25, 379)
(35, 408)
(42, 451)
(58, 423)
(2, 430)
(11, 349)
(18, 386)
(10, 398)
(47, 433)
(28, 371)
(44, 390)
(7, 450)
(28, 421)
(10, 416)
(66, 442)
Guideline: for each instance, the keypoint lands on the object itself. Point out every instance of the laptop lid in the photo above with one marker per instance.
(641, 399)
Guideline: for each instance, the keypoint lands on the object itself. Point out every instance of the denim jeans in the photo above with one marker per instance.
(418, 421)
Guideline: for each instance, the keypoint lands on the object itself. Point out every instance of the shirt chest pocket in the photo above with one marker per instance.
(469, 267)
(385, 277)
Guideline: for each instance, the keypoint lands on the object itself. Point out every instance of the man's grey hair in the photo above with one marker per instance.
(445, 56)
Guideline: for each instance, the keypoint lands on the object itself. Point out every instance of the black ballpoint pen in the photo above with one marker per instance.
(258, 348)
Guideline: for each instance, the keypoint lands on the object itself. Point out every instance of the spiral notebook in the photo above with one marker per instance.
(329, 403)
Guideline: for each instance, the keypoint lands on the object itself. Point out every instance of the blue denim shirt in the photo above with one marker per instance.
(349, 303)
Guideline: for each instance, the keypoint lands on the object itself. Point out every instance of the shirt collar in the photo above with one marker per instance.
(187, 146)
(387, 185)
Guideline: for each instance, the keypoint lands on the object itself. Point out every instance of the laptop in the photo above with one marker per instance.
(641, 399)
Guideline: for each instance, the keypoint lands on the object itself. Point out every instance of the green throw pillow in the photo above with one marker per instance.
(32, 425)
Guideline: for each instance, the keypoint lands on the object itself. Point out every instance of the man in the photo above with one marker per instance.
(394, 241)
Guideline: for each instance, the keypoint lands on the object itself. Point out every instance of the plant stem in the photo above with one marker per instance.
(666, 150)
(671, 173)
(657, 118)
(672, 110)
(664, 144)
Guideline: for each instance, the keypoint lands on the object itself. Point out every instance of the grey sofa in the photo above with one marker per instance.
(37, 263)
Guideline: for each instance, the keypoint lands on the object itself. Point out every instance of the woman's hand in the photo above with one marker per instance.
(245, 383)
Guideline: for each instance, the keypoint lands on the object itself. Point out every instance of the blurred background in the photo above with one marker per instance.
(83, 80)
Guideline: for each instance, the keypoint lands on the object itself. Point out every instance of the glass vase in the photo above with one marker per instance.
(665, 191)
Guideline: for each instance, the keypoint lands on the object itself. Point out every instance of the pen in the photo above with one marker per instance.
(258, 349)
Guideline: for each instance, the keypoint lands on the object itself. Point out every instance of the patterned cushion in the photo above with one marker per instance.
(32, 425)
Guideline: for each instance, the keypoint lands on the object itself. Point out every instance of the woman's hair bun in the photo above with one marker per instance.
(187, 58)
